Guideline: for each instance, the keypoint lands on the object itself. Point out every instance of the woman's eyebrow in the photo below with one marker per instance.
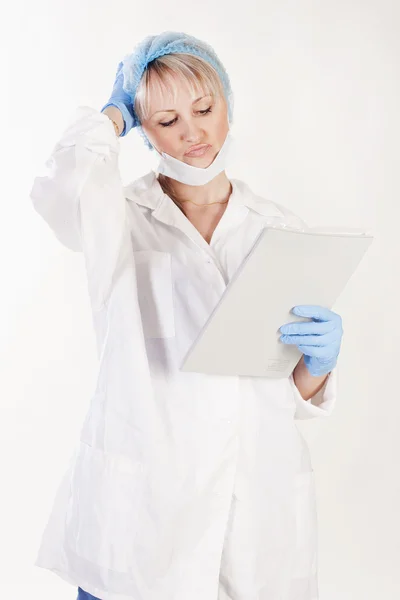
(173, 110)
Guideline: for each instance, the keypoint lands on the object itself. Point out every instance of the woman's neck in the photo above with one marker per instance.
(215, 191)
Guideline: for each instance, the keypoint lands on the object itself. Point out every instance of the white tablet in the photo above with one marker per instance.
(285, 268)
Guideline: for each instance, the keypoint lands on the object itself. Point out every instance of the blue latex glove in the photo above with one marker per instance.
(122, 101)
(319, 340)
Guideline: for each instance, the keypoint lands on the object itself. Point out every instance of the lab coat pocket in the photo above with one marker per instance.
(104, 509)
(155, 290)
(306, 525)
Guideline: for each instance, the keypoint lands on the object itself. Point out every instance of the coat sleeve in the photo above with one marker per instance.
(321, 404)
(56, 194)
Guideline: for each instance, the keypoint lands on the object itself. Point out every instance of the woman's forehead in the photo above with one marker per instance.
(164, 96)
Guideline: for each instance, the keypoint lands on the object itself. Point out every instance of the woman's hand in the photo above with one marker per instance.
(319, 340)
(122, 101)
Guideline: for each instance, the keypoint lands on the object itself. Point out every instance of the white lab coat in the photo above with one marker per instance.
(182, 486)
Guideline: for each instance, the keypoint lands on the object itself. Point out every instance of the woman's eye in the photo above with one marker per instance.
(169, 123)
(203, 112)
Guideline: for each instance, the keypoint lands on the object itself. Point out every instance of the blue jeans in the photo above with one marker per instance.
(82, 595)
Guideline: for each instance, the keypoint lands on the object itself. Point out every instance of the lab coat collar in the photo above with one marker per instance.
(148, 192)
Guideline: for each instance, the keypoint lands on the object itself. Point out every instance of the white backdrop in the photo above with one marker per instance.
(316, 122)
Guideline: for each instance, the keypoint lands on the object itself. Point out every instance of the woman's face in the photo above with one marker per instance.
(174, 127)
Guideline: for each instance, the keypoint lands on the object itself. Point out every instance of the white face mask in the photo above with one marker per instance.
(181, 171)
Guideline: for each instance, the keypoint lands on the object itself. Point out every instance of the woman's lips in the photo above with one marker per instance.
(199, 150)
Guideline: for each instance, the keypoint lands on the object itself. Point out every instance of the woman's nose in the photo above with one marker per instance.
(191, 132)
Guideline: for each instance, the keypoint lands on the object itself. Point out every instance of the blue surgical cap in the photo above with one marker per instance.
(169, 42)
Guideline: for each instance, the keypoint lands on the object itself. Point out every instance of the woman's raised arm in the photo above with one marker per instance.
(89, 138)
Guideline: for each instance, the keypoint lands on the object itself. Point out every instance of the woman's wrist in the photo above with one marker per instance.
(115, 115)
(116, 128)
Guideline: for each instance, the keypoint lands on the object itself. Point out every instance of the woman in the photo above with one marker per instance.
(183, 485)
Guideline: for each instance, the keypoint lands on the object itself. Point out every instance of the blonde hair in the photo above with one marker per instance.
(197, 73)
